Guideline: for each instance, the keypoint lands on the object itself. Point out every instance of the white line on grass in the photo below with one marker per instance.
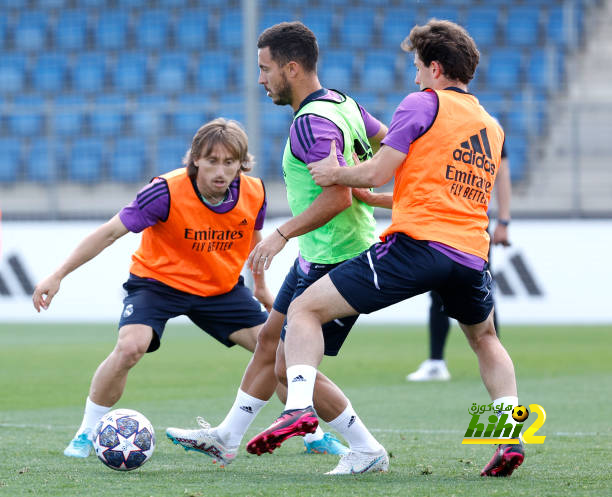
(376, 430)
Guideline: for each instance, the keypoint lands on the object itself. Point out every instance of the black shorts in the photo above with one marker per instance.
(401, 267)
(299, 278)
(152, 303)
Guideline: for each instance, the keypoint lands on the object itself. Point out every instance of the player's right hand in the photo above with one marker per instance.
(45, 291)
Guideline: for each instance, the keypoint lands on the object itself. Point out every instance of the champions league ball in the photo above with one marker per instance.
(520, 413)
(124, 439)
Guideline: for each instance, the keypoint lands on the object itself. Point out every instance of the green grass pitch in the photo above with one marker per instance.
(45, 372)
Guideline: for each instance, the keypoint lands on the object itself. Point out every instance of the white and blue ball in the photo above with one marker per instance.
(124, 439)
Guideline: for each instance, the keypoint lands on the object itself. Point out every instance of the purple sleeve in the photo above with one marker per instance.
(372, 125)
(259, 221)
(413, 116)
(311, 136)
(152, 204)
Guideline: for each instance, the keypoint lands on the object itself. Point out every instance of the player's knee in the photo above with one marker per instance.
(129, 351)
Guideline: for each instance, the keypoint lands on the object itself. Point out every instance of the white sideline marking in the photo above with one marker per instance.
(377, 430)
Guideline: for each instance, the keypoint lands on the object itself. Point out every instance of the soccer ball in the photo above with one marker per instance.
(520, 413)
(124, 439)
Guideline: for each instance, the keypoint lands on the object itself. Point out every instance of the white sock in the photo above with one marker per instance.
(300, 386)
(239, 418)
(313, 437)
(354, 431)
(508, 401)
(93, 413)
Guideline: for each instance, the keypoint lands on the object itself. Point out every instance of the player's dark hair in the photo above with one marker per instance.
(224, 132)
(291, 41)
(447, 43)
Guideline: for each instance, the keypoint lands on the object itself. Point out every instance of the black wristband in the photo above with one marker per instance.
(503, 222)
(279, 232)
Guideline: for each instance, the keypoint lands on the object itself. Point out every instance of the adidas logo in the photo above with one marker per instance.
(298, 378)
(244, 222)
(351, 421)
(248, 409)
(476, 152)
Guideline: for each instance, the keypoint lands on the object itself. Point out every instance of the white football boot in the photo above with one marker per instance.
(430, 370)
(204, 440)
(355, 463)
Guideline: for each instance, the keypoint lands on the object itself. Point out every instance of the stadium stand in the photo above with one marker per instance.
(105, 78)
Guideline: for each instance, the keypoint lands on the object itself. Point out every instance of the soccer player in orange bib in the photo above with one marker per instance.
(199, 224)
(437, 240)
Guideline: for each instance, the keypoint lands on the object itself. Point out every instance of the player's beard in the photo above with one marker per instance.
(283, 94)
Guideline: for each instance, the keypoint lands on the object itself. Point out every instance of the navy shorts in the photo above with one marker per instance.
(152, 303)
(401, 267)
(297, 280)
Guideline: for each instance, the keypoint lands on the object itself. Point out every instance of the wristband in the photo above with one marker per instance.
(279, 232)
(503, 222)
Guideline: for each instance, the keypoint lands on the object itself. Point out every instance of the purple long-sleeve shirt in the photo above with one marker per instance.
(311, 135)
(152, 204)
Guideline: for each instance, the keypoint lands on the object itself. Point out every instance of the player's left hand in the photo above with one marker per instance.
(500, 235)
(323, 171)
(262, 254)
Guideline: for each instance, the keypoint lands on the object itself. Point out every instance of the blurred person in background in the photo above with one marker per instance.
(198, 226)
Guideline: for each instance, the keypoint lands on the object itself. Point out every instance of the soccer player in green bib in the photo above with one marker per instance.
(332, 226)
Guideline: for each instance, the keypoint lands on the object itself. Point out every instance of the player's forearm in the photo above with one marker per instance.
(503, 191)
(92, 245)
(331, 202)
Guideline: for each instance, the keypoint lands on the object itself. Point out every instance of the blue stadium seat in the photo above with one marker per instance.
(319, 20)
(86, 160)
(149, 117)
(109, 115)
(544, 69)
(396, 26)
(476, 82)
(493, 101)
(504, 69)
(130, 72)
(51, 4)
(522, 26)
(357, 28)
(271, 17)
(213, 71)
(152, 30)
(481, 23)
(564, 21)
(336, 69)
(111, 30)
(191, 112)
(171, 72)
(68, 116)
(97, 4)
(178, 3)
(31, 31)
(231, 106)
(27, 119)
(369, 101)
(129, 160)
(230, 29)
(410, 72)
(3, 24)
(88, 72)
(275, 121)
(170, 153)
(12, 73)
(133, 3)
(191, 31)
(41, 161)
(49, 74)
(71, 30)
(526, 114)
(10, 159)
(444, 13)
(379, 72)
(517, 148)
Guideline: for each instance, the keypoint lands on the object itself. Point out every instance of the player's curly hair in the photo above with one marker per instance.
(291, 41)
(224, 132)
(447, 43)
